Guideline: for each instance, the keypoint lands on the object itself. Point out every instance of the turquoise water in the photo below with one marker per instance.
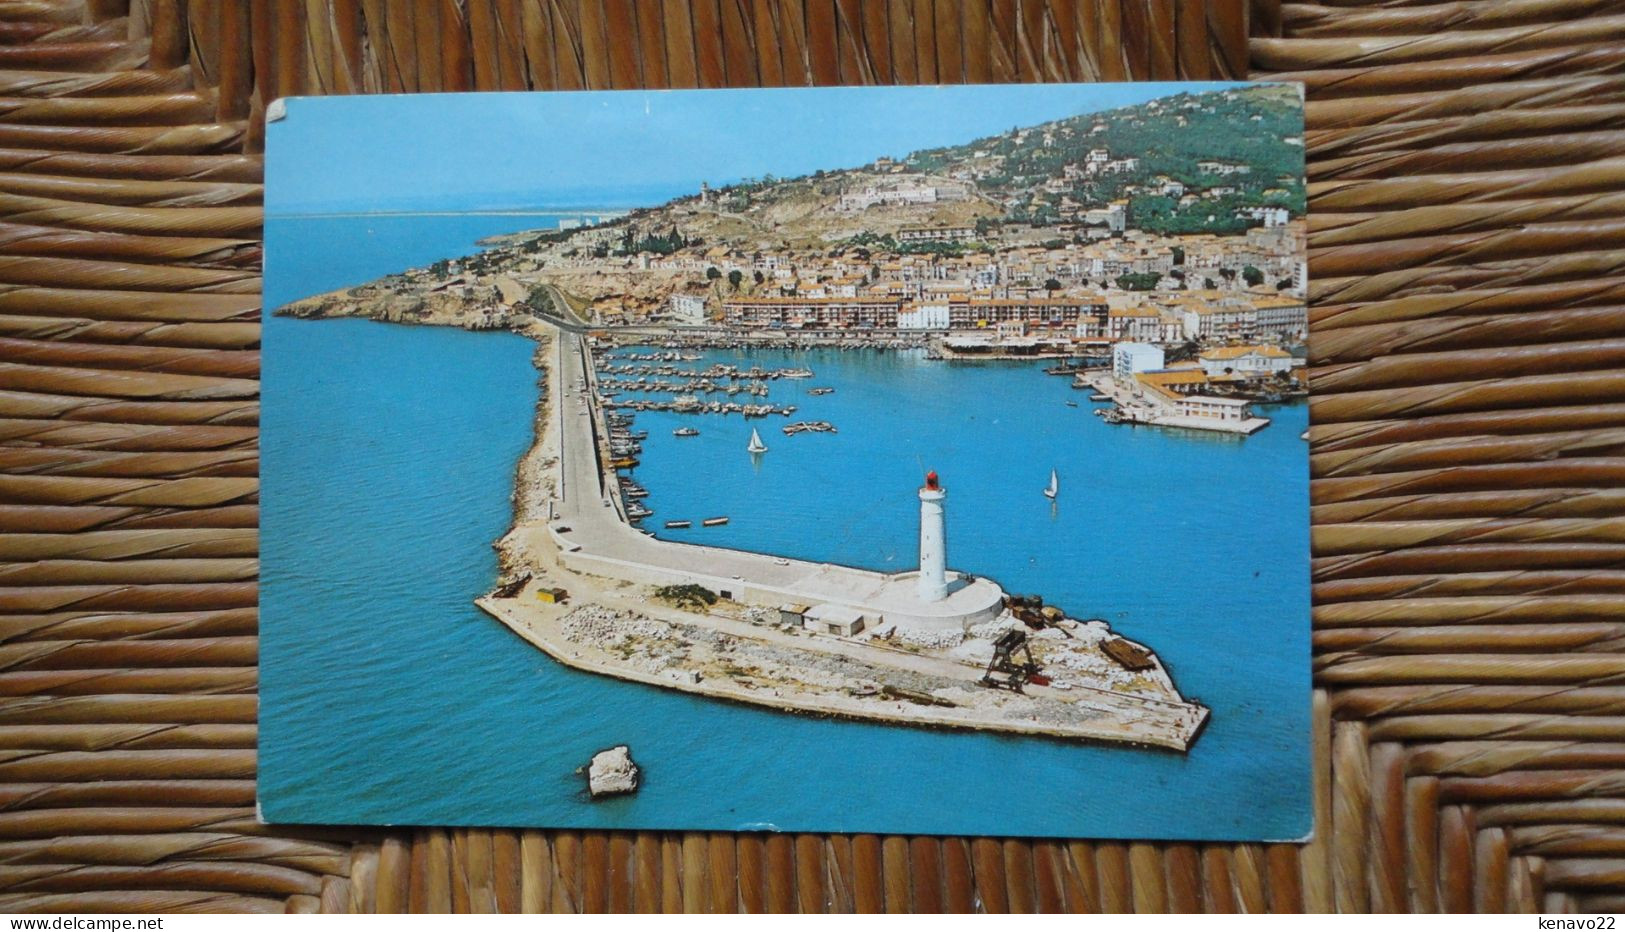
(388, 698)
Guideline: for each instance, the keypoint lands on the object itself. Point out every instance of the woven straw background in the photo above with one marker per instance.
(1468, 222)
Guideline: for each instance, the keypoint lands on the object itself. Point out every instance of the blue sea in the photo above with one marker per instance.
(387, 697)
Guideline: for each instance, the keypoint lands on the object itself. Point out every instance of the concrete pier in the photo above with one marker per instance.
(1138, 410)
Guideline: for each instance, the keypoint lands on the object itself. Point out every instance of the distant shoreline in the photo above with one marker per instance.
(537, 212)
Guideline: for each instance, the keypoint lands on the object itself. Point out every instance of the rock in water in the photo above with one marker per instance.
(612, 772)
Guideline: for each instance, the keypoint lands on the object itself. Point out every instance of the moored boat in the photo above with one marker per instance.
(714, 522)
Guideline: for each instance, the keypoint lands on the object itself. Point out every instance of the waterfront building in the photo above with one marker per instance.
(925, 315)
(1212, 408)
(799, 312)
(1168, 388)
(1130, 359)
(1046, 312)
(1256, 361)
(1217, 322)
(1141, 324)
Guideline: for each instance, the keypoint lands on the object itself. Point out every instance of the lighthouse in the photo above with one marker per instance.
(933, 581)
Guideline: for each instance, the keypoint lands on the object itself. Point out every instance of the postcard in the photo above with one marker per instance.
(924, 460)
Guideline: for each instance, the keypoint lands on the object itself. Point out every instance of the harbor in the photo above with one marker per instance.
(496, 684)
(819, 637)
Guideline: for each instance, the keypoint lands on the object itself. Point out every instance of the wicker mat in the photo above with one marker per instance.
(1467, 223)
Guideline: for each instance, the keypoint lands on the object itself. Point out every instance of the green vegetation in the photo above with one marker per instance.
(690, 596)
(659, 243)
(1138, 281)
(1170, 137)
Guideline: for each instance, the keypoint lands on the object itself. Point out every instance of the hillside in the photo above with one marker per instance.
(1219, 162)
(1159, 157)
(1258, 128)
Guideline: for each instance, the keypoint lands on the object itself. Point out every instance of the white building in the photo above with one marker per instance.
(1247, 360)
(1218, 409)
(1282, 316)
(900, 194)
(834, 619)
(935, 234)
(931, 315)
(1221, 322)
(1270, 216)
(688, 307)
(1113, 215)
(1129, 358)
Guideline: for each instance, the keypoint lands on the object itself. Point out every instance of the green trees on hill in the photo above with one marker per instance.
(1170, 137)
(1138, 281)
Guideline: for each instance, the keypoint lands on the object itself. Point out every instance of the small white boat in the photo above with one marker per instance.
(756, 445)
(713, 522)
(685, 432)
(1054, 486)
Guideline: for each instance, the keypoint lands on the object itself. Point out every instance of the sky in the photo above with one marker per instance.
(401, 153)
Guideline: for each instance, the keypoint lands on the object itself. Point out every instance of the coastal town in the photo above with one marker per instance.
(1166, 287)
(1046, 242)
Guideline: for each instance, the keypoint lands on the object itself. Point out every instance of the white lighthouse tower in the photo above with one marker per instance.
(933, 541)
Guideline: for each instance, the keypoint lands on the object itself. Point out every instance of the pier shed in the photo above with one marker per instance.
(834, 619)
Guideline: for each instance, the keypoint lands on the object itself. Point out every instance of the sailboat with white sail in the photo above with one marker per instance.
(756, 444)
(1054, 486)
